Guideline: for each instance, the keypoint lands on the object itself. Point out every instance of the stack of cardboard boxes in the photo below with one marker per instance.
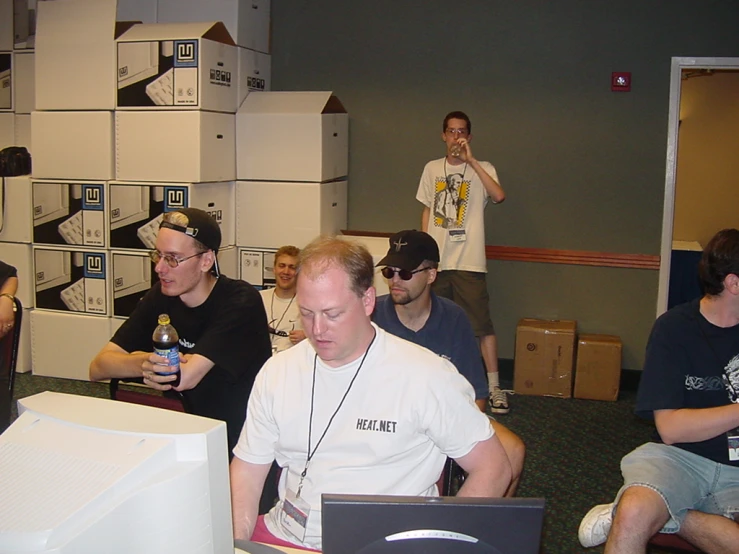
(550, 357)
(17, 101)
(292, 165)
(130, 121)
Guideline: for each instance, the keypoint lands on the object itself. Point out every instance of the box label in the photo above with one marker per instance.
(175, 198)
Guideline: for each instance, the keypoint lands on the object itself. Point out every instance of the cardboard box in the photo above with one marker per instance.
(136, 209)
(228, 261)
(20, 256)
(378, 247)
(24, 23)
(598, 367)
(543, 364)
(175, 146)
(247, 22)
(24, 89)
(72, 280)
(179, 66)
(133, 276)
(257, 266)
(76, 55)
(22, 130)
(6, 81)
(307, 131)
(255, 72)
(306, 210)
(7, 130)
(17, 212)
(72, 145)
(6, 24)
(63, 345)
(70, 213)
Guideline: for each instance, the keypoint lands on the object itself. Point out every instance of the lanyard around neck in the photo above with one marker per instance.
(331, 419)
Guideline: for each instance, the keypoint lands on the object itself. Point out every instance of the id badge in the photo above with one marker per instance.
(295, 515)
(733, 440)
(457, 235)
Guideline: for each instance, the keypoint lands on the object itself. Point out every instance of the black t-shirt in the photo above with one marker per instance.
(229, 328)
(685, 360)
(6, 271)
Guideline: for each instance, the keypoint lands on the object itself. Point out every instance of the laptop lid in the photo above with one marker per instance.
(376, 524)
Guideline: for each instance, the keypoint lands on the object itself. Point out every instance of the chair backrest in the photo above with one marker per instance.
(148, 398)
(8, 360)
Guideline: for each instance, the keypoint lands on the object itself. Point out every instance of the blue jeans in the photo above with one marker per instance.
(684, 480)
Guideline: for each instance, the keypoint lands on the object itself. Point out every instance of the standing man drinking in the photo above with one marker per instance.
(454, 191)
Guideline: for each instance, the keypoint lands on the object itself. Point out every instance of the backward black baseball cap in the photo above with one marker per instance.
(200, 226)
(409, 248)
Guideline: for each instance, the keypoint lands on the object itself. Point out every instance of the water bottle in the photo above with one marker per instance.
(166, 345)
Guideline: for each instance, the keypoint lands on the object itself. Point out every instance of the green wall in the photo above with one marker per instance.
(583, 167)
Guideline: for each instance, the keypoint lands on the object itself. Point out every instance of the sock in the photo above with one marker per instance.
(493, 381)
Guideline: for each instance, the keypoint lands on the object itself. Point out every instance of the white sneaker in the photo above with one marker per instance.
(498, 401)
(596, 525)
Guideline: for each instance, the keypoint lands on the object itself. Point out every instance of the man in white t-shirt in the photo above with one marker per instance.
(454, 191)
(353, 409)
(279, 302)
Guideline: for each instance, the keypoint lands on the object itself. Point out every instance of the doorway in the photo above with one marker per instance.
(676, 75)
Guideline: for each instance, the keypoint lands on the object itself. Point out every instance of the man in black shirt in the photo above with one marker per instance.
(221, 323)
(687, 481)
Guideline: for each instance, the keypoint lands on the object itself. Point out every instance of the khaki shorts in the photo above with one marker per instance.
(468, 290)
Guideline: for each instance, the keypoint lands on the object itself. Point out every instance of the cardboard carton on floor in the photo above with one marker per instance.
(544, 357)
(598, 367)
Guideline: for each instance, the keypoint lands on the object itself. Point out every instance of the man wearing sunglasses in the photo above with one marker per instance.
(221, 323)
(454, 191)
(413, 312)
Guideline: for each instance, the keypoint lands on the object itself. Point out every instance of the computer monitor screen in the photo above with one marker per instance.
(369, 524)
(81, 474)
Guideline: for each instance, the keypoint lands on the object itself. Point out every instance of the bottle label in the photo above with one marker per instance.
(173, 357)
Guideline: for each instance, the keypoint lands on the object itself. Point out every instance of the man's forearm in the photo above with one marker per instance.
(492, 482)
(695, 425)
(492, 187)
(10, 286)
(110, 364)
(247, 481)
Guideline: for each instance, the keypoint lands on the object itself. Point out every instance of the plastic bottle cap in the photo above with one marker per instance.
(164, 319)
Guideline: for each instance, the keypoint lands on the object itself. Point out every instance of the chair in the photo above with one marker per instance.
(671, 543)
(175, 402)
(451, 478)
(8, 361)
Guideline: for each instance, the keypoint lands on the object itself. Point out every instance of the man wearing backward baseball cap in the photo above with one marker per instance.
(414, 313)
(221, 323)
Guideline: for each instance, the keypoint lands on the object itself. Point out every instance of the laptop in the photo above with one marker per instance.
(378, 524)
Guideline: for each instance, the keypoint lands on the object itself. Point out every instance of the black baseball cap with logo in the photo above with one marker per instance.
(409, 248)
(202, 227)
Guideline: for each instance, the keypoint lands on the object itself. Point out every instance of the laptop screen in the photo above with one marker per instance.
(374, 524)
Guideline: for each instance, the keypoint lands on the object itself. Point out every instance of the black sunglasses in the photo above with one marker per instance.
(389, 272)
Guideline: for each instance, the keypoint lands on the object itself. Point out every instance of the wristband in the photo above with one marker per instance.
(12, 299)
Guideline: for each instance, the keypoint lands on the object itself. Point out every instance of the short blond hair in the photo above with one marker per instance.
(349, 256)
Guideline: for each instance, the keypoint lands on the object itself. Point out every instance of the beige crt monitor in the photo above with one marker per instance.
(81, 474)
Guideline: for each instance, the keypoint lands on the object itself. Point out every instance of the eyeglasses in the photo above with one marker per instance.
(458, 132)
(170, 260)
(389, 273)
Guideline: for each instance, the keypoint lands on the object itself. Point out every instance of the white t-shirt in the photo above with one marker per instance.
(407, 410)
(457, 199)
(282, 315)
